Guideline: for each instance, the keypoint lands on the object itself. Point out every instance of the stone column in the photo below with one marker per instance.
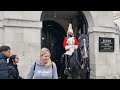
(103, 64)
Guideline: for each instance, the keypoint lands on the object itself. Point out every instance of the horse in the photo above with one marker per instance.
(84, 55)
(78, 62)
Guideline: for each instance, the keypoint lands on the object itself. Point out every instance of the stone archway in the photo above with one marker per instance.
(87, 15)
(88, 20)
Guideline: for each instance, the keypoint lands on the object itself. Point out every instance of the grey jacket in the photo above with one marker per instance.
(42, 72)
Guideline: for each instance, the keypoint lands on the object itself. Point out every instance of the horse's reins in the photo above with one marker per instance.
(78, 61)
(81, 66)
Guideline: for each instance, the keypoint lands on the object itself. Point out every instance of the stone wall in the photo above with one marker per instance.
(116, 15)
(21, 31)
(103, 64)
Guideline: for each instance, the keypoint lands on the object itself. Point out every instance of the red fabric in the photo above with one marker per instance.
(76, 41)
(65, 42)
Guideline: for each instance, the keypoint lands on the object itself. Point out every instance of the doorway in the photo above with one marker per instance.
(54, 30)
(53, 35)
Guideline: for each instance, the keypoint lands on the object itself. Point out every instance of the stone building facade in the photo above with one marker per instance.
(21, 30)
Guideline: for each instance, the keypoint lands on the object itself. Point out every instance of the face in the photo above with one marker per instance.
(45, 58)
(69, 35)
(7, 53)
(16, 59)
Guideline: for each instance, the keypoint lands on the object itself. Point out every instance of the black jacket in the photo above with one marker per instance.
(3, 67)
(13, 71)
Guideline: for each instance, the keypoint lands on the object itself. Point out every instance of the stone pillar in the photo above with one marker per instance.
(103, 64)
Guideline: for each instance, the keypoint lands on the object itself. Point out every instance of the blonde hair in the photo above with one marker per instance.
(43, 51)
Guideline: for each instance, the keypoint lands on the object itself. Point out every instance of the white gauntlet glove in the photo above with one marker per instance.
(68, 47)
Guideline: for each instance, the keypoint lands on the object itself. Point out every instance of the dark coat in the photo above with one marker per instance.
(3, 67)
(13, 71)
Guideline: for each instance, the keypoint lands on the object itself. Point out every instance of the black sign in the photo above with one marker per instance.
(106, 44)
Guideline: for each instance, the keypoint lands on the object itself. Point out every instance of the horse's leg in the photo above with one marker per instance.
(63, 76)
(74, 66)
(74, 73)
(86, 70)
(87, 75)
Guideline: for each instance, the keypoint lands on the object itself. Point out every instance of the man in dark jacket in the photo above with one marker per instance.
(5, 52)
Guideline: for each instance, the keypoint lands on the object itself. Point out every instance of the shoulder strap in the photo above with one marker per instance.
(34, 69)
(52, 70)
(34, 66)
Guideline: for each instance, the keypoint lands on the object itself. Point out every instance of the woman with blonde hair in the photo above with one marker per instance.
(43, 68)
